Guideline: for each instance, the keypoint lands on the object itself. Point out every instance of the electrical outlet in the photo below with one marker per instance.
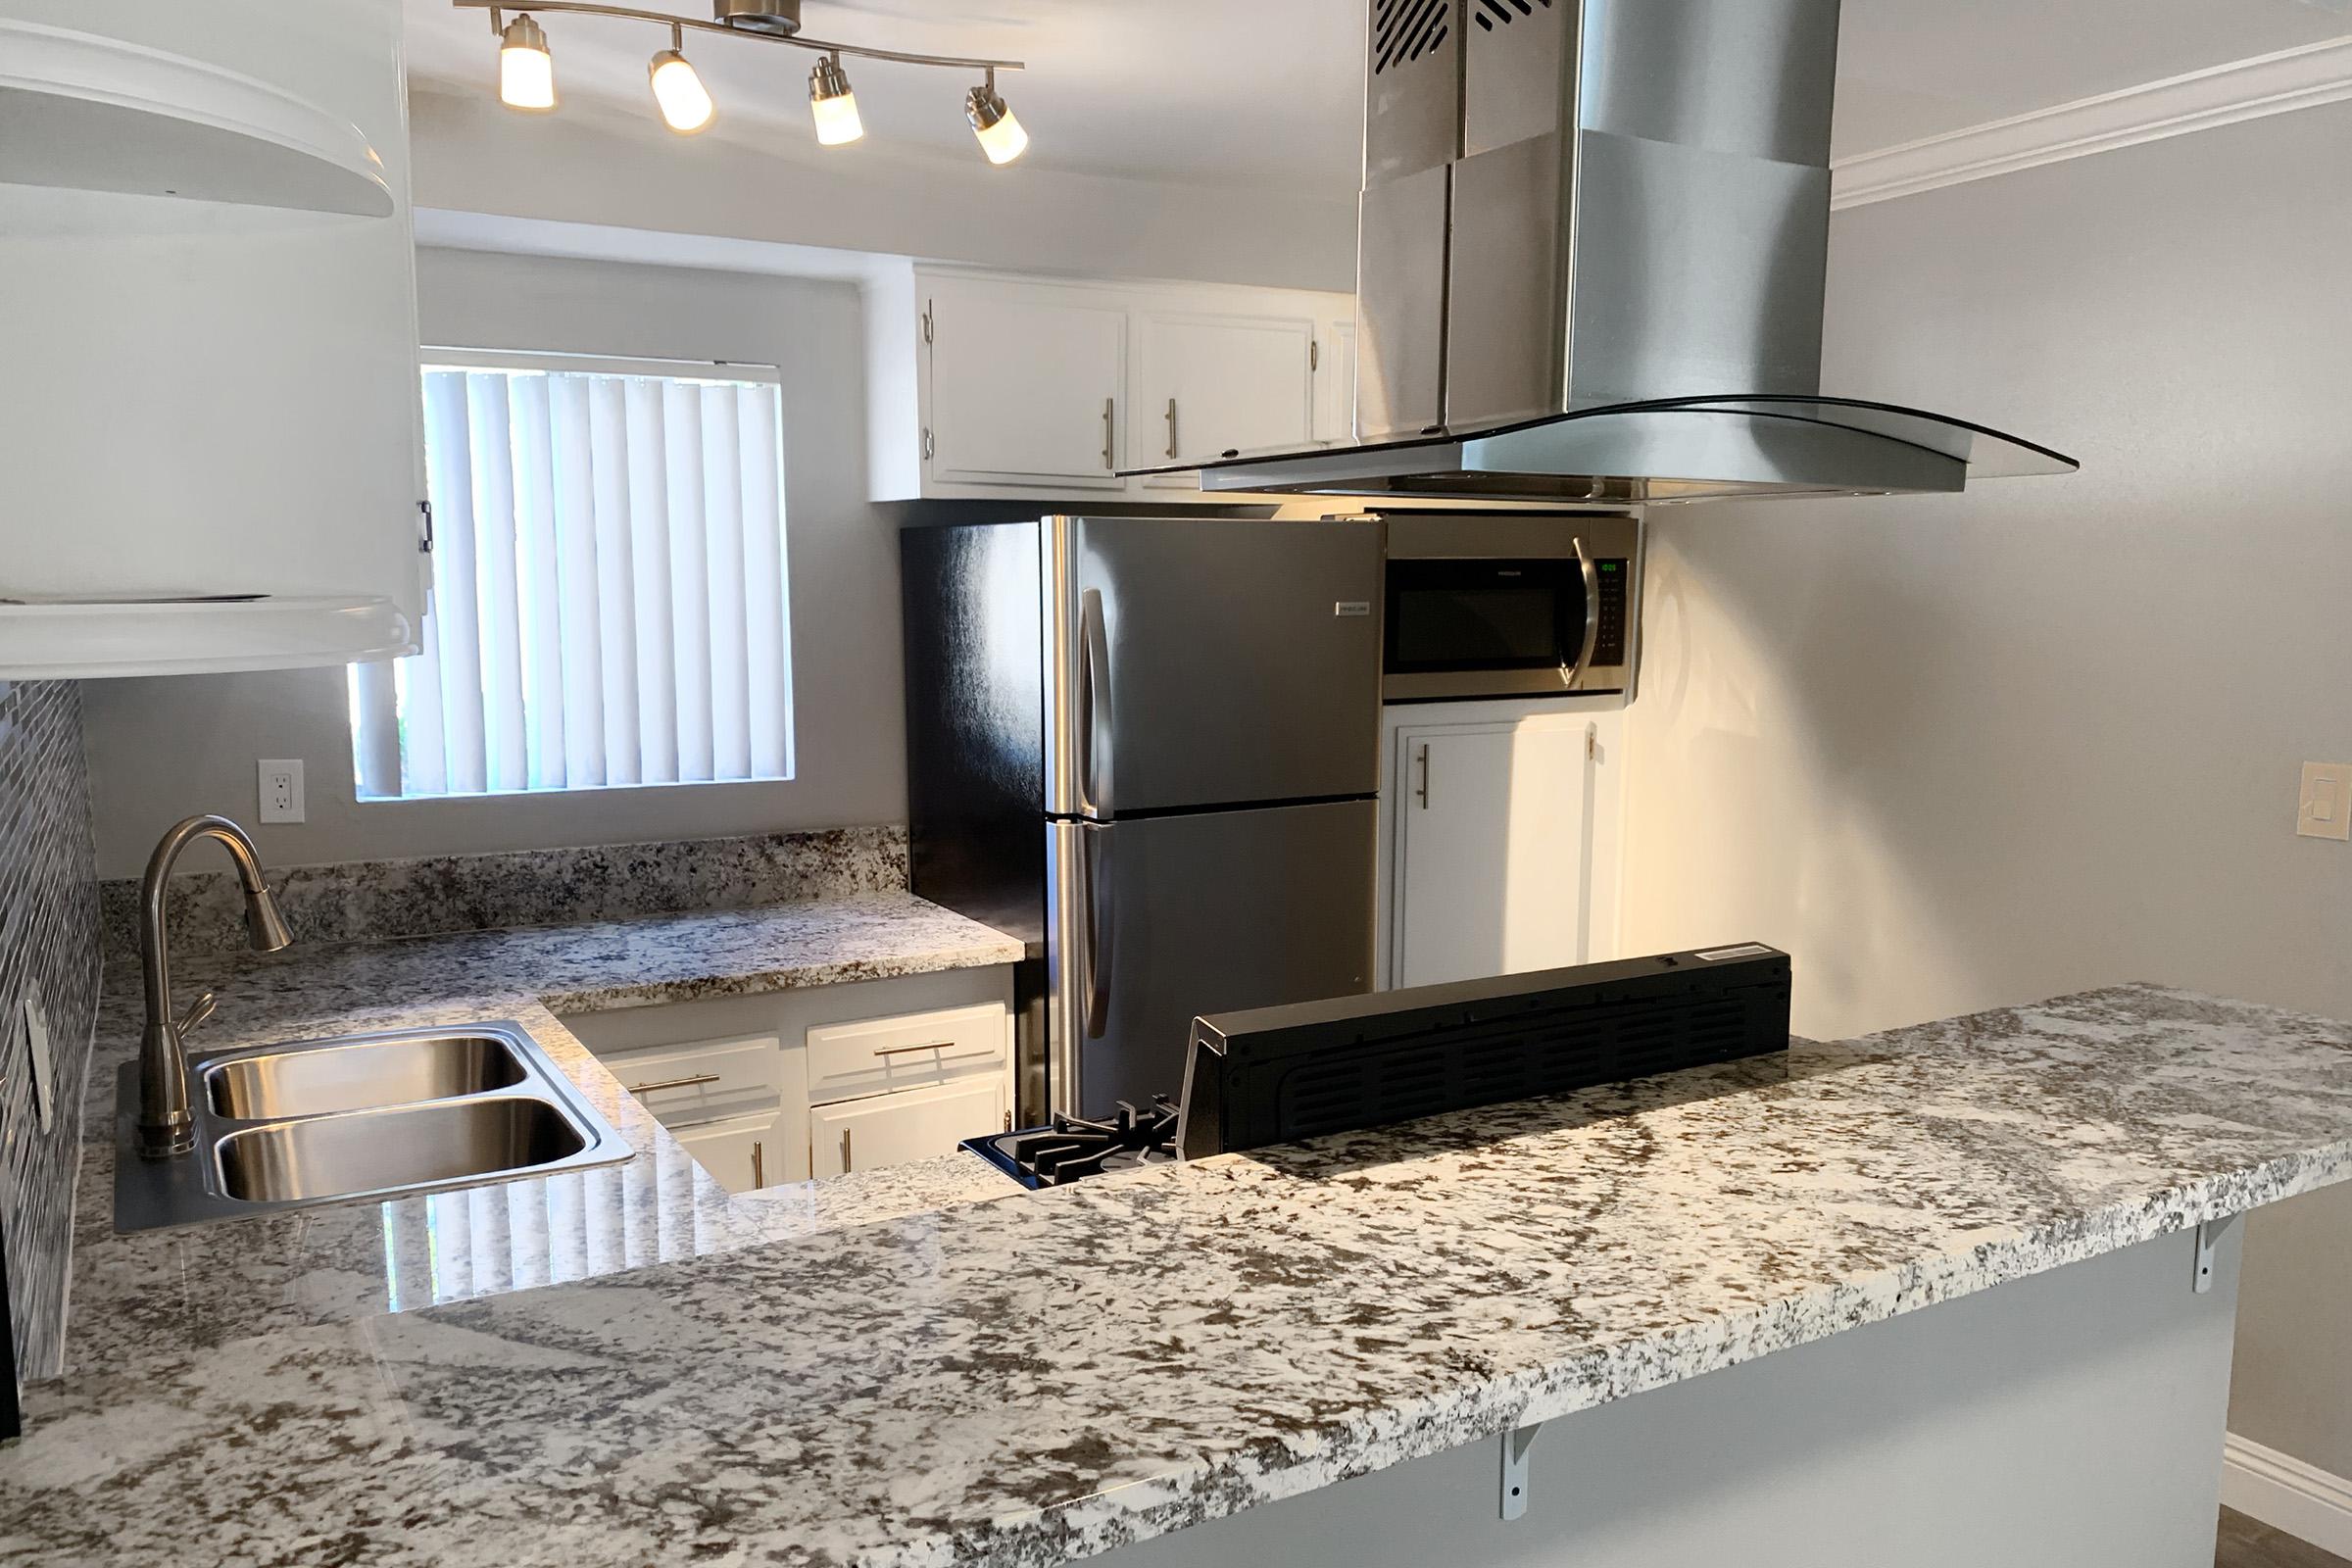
(281, 788)
(2324, 810)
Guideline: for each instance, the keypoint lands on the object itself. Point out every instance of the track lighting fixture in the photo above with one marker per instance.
(1001, 135)
(526, 71)
(678, 91)
(833, 104)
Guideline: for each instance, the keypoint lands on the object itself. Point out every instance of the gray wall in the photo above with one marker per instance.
(163, 748)
(1960, 751)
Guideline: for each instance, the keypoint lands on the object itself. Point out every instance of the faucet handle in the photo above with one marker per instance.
(198, 1010)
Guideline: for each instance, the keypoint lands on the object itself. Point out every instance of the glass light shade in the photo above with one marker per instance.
(837, 119)
(1000, 131)
(685, 103)
(526, 71)
(1005, 141)
(833, 105)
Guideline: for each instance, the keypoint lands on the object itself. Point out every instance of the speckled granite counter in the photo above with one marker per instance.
(169, 1292)
(1254, 1326)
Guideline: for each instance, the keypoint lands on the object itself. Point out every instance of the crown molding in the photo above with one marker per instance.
(2219, 95)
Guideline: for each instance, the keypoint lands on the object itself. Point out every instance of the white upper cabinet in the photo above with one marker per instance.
(985, 384)
(1026, 385)
(212, 396)
(1213, 386)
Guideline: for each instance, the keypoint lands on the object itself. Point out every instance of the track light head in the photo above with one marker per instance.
(679, 90)
(833, 104)
(526, 71)
(1001, 135)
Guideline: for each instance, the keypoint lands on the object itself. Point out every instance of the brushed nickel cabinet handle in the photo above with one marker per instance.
(1171, 427)
(1109, 405)
(847, 1163)
(758, 1170)
(690, 1081)
(901, 1051)
(1422, 793)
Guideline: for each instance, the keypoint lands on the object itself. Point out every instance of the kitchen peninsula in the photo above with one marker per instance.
(1051, 1375)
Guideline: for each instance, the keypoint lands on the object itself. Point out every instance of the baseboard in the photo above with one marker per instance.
(2285, 1494)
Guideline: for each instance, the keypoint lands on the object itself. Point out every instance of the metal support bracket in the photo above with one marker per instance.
(2209, 1239)
(1516, 1445)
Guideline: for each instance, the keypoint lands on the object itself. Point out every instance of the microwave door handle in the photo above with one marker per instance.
(1094, 712)
(1584, 651)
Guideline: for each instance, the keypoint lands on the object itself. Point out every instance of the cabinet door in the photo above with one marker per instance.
(745, 1154)
(1335, 383)
(1496, 829)
(1213, 385)
(892, 1129)
(1025, 385)
(208, 397)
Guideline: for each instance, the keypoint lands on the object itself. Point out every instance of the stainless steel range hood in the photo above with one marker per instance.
(1589, 267)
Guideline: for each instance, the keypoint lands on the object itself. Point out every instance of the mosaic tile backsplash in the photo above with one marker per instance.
(49, 944)
(364, 901)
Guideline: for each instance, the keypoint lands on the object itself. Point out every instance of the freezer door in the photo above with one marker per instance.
(1154, 921)
(1200, 662)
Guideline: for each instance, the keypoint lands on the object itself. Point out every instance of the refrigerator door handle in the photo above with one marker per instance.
(1093, 707)
(1101, 932)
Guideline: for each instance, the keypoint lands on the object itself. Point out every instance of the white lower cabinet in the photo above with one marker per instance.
(1502, 840)
(911, 1124)
(766, 1090)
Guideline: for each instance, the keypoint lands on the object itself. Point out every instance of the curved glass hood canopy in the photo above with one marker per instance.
(1661, 452)
(1591, 255)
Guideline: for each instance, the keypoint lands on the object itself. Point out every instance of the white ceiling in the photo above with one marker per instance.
(1265, 93)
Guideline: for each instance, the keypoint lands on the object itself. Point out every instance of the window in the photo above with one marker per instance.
(609, 602)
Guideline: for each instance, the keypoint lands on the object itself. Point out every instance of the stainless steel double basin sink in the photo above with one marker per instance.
(360, 1116)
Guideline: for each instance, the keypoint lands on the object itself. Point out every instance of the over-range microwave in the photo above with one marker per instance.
(1510, 604)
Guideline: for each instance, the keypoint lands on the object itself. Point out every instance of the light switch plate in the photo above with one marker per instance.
(2324, 810)
(36, 1049)
(280, 784)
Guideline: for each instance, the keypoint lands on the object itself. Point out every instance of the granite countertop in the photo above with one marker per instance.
(193, 1289)
(1251, 1326)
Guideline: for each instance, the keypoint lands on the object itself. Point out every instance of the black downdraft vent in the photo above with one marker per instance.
(1277, 1074)
(1492, 13)
(1403, 30)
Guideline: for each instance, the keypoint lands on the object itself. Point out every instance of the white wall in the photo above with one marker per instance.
(1959, 752)
(472, 155)
(161, 748)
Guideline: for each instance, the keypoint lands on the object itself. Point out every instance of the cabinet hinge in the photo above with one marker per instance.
(424, 546)
(926, 443)
(1314, 354)
(926, 320)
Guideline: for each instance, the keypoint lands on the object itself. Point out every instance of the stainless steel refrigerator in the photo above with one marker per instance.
(1149, 747)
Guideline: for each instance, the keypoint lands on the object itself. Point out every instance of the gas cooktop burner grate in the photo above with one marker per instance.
(1070, 1148)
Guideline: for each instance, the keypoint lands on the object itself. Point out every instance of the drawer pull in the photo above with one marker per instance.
(690, 1081)
(901, 1051)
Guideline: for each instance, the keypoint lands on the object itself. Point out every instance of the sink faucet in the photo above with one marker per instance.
(166, 1125)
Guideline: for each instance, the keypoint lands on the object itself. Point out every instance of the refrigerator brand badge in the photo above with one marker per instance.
(1352, 607)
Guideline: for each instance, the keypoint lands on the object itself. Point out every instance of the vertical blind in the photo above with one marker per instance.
(608, 600)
